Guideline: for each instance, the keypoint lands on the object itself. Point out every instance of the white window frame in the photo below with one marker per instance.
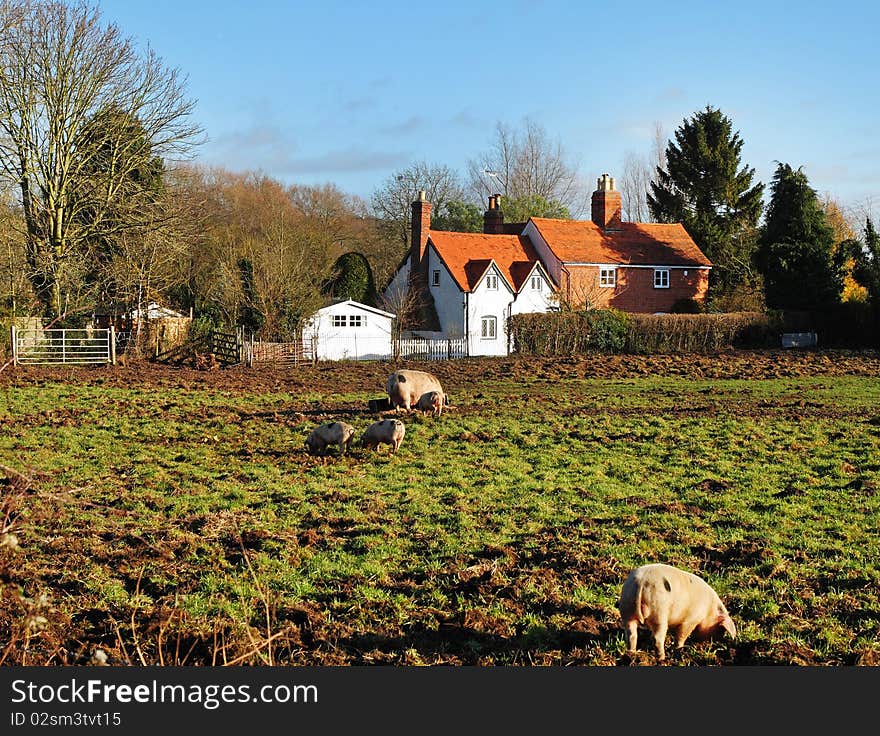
(607, 277)
(357, 320)
(489, 327)
(339, 320)
(435, 277)
(661, 275)
(492, 282)
(536, 283)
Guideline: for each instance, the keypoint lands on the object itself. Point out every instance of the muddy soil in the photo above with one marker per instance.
(370, 376)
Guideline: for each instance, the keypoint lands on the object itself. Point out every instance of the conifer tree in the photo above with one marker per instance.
(866, 261)
(796, 252)
(352, 279)
(706, 188)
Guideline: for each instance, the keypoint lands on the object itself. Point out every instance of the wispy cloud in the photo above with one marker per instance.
(670, 94)
(466, 119)
(358, 103)
(347, 160)
(407, 127)
(271, 149)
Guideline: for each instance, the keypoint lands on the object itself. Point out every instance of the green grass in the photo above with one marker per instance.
(188, 525)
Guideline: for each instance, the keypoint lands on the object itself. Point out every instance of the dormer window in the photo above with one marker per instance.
(491, 281)
(536, 283)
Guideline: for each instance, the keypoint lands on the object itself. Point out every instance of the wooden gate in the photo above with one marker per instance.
(227, 346)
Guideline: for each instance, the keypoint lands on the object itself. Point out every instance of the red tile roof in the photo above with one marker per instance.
(635, 243)
(468, 255)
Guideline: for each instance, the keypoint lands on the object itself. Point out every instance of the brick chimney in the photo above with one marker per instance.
(421, 224)
(607, 203)
(493, 218)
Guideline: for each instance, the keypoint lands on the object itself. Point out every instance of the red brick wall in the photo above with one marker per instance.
(634, 291)
(419, 227)
(606, 207)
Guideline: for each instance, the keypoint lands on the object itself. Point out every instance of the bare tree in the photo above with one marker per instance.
(82, 111)
(638, 171)
(393, 199)
(405, 304)
(634, 182)
(15, 288)
(260, 260)
(526, 164)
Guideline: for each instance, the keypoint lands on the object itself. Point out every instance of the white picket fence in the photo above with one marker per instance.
(383, 348)
(63, 346)
(432, 349)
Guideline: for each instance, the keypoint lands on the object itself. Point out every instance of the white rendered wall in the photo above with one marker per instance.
(448, 298)
(535, 300)
(489, 302)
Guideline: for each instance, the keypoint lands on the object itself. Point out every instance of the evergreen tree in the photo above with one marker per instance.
(459, 217)
(866, 261)
(705, 187)
(352, 279)
(250, 316)
(113, 139)
(796, 252)
(520, 209)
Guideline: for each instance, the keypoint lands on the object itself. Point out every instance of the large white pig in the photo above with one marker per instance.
(662, 598)
(406, 387)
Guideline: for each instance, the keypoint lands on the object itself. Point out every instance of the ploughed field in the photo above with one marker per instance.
(171, 516)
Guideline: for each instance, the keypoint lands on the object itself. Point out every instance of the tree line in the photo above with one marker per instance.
(103, 209)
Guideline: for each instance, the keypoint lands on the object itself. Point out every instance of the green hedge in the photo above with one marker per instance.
(571, 333)
(701, 333)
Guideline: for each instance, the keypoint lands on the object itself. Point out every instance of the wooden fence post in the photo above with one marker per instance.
(14, 345)
(111, 336)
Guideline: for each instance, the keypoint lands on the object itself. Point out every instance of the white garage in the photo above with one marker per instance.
(349, 330)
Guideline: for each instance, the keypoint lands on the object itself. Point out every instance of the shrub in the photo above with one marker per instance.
(570, 333)
(699, 333)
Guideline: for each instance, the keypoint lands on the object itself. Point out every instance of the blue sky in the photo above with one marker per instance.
(349, 92)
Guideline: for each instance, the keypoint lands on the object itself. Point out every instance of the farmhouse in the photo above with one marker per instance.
(469, 284)
(350, 330)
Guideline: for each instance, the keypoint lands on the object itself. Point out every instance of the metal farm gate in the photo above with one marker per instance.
(258, 352)
(63, 346)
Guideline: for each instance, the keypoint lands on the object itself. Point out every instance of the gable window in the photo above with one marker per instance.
(536, 283)
(491, 281)
(487, 328)
(357, 320)
(607, 276)
(339, 320)
(435, 278)
(661, 278)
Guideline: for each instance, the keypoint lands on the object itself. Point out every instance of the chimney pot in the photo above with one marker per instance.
(493, 218)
